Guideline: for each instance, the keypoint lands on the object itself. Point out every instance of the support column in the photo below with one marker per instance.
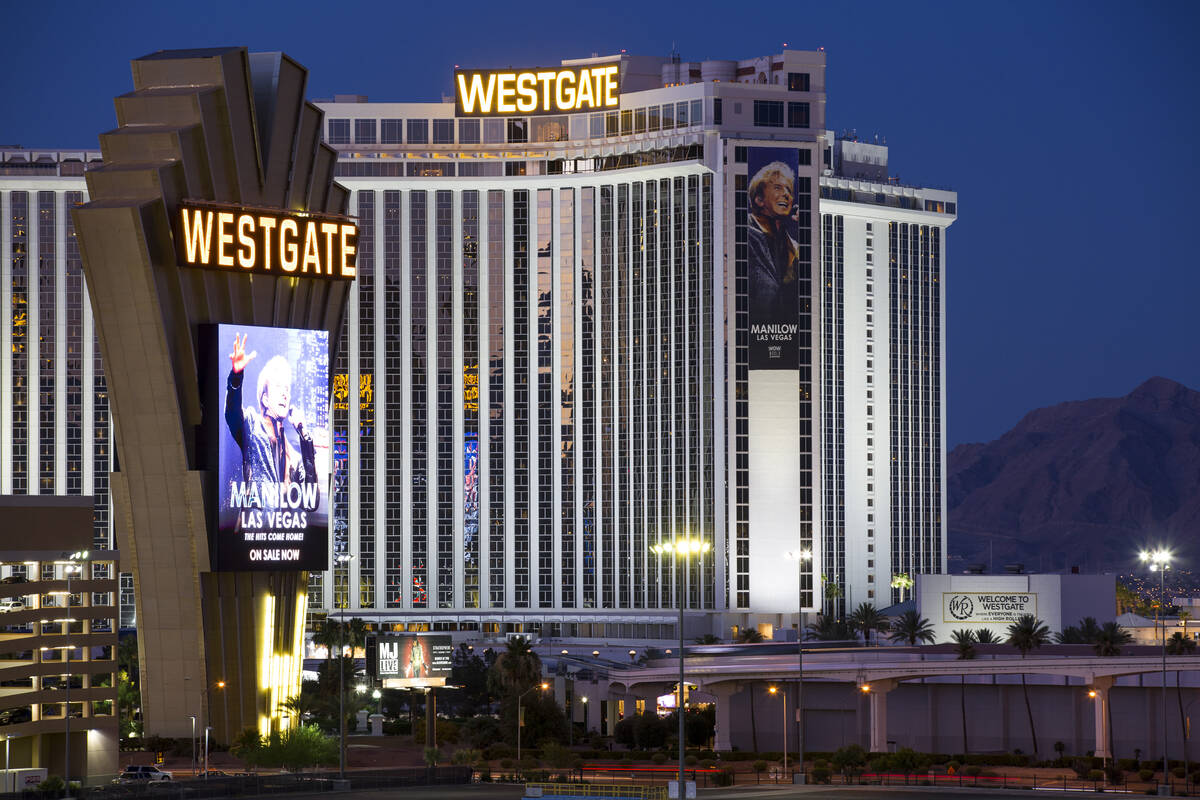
(591, 712)
(723, 737)
(878, 697)
(1102, 687)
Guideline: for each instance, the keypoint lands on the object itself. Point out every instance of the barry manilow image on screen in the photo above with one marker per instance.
(274, 446)
(772, 256)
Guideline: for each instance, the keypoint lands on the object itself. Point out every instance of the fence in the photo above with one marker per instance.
(267, 784)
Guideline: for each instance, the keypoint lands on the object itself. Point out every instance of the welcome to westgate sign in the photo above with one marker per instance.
(984, 607)
(553, 90)
(266, 241)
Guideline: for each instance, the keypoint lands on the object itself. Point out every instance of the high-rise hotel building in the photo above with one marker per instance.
(551, 360)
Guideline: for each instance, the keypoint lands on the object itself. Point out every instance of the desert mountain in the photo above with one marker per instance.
(1085, 483)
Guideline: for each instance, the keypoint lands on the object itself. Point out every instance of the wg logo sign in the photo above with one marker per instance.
(961, 607)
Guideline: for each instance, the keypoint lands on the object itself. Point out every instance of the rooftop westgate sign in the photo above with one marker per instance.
(265, 241)
(554, 90)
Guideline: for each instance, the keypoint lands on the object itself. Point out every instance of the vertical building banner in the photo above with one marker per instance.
(773, 255)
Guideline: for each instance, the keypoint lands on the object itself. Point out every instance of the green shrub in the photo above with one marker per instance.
(850, 760)
(497, 751)
(1145, 774)
(527, 765)
(953, 765)
(723, 777)
(432, 756)
(974, 770)
(54, 783)
(821, 774)
(659, 758)
(691, 761)
(1177, 772)
(466, 756)
(556, 755)
(1095, 775)
(506, 763)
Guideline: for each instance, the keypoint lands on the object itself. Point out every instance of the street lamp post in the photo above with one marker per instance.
(72, 568)
(342, 558)
(207, 728)
(1160, 562)
(783, 694)
(192, 717)
(801, 557)
(684, 548)
(521, 717)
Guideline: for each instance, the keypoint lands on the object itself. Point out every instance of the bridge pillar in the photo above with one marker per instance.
(723, 736)
(877, 693)
(1102, 686)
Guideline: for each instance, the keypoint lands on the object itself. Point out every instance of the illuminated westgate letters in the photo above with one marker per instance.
(265, 241)
(558, 90)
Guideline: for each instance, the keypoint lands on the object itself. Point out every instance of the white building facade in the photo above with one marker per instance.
(545, 369)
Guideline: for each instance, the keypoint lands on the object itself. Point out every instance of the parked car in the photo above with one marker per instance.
(12, 604)
(15, 579)
(142, 772)
(14, 716)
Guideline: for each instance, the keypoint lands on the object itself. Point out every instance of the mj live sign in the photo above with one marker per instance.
(554, 90)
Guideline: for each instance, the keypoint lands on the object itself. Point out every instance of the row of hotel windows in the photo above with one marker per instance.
(561, 127)
(515, 130)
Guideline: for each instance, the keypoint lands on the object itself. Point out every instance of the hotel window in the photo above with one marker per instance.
(681, 114)
(805, 157)
(550, 129)
(668, 116)
(626, 121)
(518, 130)
(768, 113)
(391, 131)
(612, 124)
(797, 115)
(493, 131)
(596, 126)
(418, 131)
(698, 111)
(364, 131)
(798, 82)
(339, 131)
(639, 121)
(443, 131)
(652, 122)
(468, 131)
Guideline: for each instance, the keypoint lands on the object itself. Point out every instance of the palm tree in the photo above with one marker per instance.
(708, 638)
(1184, 616)
(329, 636)
(1180, 645)
(867, 619)
(1028, 633)
(750, 636)
(985, 636)
(828, 629)
(516, 669)
(911, 627)
(1110, 638)
(964, 646)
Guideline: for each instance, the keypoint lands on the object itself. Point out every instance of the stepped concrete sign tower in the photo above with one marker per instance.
(227, 130)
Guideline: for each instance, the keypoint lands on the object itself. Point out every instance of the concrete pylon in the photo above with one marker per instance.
(877, 695)
(1102, 686)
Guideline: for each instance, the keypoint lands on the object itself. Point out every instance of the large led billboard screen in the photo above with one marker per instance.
(272, 492)
(414, 660)
(773, 258)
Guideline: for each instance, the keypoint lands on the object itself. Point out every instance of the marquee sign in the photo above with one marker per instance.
(987, 607)
(265, 241)
(554, 90)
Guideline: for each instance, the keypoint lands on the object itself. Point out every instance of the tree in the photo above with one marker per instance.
(248, 747)
(750, 636)
(1026, 634)
(911, 627)
(964, 646)
(301, 706)
(1110, 638)
(867, 619)
(1180, 645)
(1184, 616)
(908, 761)
(1085, 633)
(514, 672)
(129, 695)
(850, 760)
(985, 636)
(708, 638)
(828, 629)
(469, 671)
(516, 669)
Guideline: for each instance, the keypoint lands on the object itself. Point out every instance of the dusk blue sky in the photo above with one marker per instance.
(1066, 128)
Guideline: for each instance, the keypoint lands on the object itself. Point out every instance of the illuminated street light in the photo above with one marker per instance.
(1160, 561)
(683, 547)
(801, 557)
(783, 694)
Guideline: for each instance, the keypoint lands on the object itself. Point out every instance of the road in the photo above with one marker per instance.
(511, 792)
